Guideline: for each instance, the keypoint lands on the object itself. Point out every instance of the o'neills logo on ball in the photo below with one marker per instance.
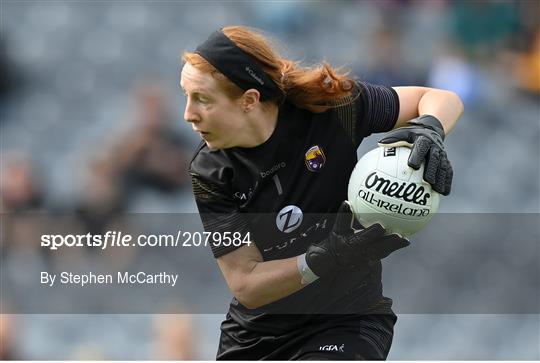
(409, 192)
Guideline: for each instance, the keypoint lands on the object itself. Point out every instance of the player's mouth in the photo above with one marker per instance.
(203, 134)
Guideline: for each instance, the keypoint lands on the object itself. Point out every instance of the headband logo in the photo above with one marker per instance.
(254, 75)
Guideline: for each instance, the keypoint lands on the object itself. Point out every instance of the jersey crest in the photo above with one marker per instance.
(315, 158)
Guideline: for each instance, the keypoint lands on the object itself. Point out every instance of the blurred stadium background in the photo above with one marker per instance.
(91, 124)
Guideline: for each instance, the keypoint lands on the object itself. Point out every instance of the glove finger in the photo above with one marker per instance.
(431, 167)
(441, 173)
(420, 149)
(371, 233)
(448, 181)
(388, 244)
(317, 259)
(401, 134)
(344, 219)
(396, 144)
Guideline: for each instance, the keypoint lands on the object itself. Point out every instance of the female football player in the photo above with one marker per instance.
(279, 144)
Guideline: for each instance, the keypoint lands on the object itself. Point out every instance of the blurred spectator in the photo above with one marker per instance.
(481, 27)
(388, 67)
(20, 188)
(9, 79)
(86, 351)
(149, 154)
(525, 66)
(7, 346)
(102, 194)
(452, 71)
(288, 18)
(152, 154)
(174, 337)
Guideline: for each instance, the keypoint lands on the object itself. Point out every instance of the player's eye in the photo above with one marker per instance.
(203, 99)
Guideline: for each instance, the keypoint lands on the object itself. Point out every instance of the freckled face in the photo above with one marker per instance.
(215, 117)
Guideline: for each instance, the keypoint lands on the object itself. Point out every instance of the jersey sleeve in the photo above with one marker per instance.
(218, 210)
(371, 109)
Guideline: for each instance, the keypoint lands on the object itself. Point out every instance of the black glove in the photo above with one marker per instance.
(346, 247)
(426, 136)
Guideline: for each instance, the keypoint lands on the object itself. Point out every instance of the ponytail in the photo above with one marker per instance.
(316, 89)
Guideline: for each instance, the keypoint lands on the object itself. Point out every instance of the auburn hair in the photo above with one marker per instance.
(315, 88)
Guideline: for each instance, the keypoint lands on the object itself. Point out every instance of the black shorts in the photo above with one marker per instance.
(357, 337)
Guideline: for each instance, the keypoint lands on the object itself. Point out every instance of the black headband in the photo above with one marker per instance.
(237, 65)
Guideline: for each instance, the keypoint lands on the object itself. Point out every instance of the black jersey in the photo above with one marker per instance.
(285, 193)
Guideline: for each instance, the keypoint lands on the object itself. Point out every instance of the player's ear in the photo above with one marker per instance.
(250, 99)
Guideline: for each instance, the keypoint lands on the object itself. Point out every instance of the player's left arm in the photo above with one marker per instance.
(426, 116)
(446, 106)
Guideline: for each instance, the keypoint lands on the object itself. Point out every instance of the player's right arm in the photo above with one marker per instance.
(255, 282)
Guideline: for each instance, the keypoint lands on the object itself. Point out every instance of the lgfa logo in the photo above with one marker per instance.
(289, 218)
(332, 348)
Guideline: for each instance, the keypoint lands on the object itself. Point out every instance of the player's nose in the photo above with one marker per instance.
(190, 114)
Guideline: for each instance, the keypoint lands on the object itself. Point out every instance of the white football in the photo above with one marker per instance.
(384, 189)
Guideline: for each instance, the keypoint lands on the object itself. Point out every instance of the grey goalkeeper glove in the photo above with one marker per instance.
(347, 248)
(425, 135)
